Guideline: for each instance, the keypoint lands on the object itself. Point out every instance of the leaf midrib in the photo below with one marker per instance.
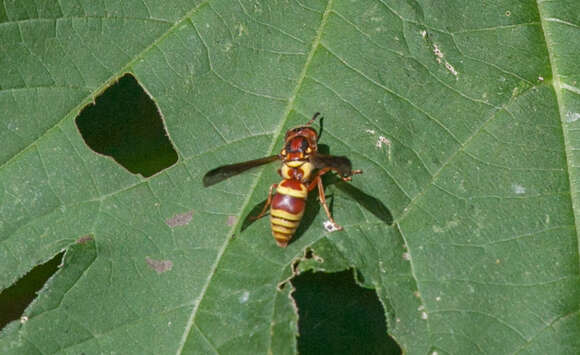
(572, 178)
(275, 137)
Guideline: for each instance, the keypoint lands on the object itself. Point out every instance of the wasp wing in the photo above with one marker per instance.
(340, 164)
(223, 172)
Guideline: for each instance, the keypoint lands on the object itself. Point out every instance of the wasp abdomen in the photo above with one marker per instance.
(287, 209)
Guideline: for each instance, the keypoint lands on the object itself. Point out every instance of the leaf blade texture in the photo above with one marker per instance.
(462, 116)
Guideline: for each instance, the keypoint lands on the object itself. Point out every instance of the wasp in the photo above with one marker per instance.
(301, 170)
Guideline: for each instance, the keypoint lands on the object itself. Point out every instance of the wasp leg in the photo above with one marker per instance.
(268, 202)
(353, 172)
(322, 198)
(314, 181)
(317, 181)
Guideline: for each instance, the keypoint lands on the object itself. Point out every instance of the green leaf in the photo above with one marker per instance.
(462, 114)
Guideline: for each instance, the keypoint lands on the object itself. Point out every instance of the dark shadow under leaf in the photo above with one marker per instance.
(336, 316)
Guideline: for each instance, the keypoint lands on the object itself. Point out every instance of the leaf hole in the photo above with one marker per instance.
(336, 316)
(15, 299)
(359, 277)
(125, 124)
(310, 254)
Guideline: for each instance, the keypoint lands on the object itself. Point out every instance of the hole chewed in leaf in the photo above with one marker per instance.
(125, 124)
(294, 266)
(309, 254)
(336, 316)
(160, 266)
(15, 299)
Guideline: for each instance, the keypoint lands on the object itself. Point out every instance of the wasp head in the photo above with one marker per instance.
(301, 139)
(297, 148)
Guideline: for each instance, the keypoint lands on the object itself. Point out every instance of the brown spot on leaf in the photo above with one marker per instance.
(160, 266)
(84, 239)
(232, 220)
(180, 219)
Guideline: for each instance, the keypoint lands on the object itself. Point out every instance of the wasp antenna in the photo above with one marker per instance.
(313, 118)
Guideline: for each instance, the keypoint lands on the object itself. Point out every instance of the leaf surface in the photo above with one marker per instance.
(462, 116)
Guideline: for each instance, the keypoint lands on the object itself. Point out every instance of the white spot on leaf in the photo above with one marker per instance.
(382, 267)
(241, 29)
(330, 227)
(383, 140)
(449, 225)
(572, 116)
(439, 58)
(518, 189)
(437, 51)
(244, 297)
(450, 68)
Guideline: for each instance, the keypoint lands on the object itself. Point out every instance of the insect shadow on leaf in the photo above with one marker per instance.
(368, 202)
